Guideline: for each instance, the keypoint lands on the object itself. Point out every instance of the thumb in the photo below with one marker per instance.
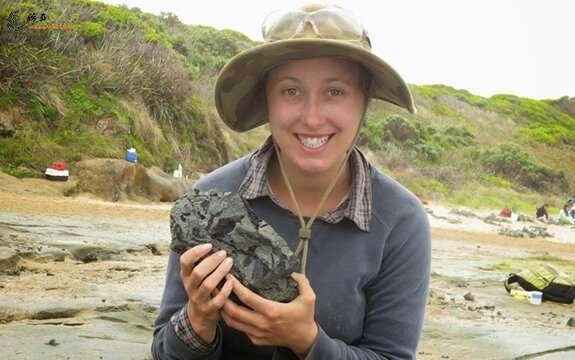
(303, 285)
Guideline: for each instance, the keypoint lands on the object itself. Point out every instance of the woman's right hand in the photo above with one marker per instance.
(200, 279)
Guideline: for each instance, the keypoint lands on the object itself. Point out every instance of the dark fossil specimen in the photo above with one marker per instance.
(262, 260)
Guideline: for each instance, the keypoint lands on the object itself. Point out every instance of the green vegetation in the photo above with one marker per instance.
(541, 121)
(428, 143)
(120, 79)
(512, 163)
(435, 92)
(124, 78)
(517, 264)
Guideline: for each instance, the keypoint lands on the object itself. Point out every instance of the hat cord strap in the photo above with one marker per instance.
(305, 228)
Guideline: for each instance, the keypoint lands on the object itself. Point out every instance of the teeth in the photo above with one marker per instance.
(313, 142)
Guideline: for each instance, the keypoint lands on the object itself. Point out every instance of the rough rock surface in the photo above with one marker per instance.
(9, 261)
(463, 212)
(531, 231)
(525, 218)
(262, 260)
(116, 179)
(6, 125)
(494, 219)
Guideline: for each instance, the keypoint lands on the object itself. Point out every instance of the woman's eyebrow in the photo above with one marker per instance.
(287, 77)
(345, 80)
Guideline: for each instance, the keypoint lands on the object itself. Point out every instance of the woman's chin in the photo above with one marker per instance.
(315, 168)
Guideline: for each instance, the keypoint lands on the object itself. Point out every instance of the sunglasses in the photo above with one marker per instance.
(330, 22)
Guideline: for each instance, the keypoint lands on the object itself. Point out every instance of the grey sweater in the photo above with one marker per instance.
(371, 287)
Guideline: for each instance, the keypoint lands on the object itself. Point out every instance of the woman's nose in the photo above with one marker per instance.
(312, 114)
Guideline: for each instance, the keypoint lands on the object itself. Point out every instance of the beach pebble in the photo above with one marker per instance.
(53, 342)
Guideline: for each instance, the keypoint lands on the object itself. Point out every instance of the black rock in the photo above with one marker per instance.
(263, 261)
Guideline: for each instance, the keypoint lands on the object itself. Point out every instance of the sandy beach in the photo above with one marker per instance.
(81, 278)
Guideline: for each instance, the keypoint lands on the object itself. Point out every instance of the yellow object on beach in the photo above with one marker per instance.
(519, 294)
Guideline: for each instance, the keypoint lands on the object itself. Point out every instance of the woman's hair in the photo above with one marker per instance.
(365, 83)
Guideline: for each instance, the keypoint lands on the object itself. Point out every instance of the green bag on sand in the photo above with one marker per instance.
(555, 285)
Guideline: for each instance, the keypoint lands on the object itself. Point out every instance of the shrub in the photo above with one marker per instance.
(91, 30)
(512, 163)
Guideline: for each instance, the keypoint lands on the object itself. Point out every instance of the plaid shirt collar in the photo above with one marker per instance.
(357, 206)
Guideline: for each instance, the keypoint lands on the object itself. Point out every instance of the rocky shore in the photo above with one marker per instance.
(82, 279)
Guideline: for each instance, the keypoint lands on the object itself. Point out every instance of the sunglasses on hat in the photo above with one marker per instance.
(330, 22)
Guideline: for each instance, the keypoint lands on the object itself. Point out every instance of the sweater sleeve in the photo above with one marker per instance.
(166, 343)
(395, 299)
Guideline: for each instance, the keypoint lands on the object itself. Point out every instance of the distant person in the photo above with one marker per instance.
(564, 215)
(571, 203)
(542, 214)
(363, 287)
(505, 212)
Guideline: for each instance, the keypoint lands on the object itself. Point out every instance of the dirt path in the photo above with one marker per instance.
(86, 279)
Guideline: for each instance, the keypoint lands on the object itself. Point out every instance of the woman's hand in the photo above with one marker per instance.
(290, 325)
(200, 279)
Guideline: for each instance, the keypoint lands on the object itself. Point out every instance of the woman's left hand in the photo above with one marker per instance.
(290, 325)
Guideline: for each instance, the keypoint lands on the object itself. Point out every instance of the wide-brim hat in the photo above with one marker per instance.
(239, 90)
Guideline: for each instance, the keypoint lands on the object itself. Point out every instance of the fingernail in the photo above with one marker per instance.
(221, 253)
(205, 246)
(229, 261)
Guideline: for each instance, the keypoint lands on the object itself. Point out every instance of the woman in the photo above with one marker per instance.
(366, 259)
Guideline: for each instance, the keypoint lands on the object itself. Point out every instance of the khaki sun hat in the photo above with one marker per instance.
(308, 32)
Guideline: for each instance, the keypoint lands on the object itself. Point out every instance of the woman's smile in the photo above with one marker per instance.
(313, 142)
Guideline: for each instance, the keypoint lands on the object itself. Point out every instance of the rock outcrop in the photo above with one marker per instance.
(115, 179)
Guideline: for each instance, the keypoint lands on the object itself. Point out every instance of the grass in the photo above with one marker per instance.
(479, 196)
(444, 110)
(515, 265)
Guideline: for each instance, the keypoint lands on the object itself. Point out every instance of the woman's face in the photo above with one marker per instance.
(315, 108)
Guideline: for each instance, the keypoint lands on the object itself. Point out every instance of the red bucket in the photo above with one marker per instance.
(58, 166)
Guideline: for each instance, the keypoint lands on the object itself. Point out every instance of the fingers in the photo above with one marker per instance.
(191, 256)
(221, 296)
(249, 297)
(241, 313)
(247, 328)
(209, 273)
(305, 290)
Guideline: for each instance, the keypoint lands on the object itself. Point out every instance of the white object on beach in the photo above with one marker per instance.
(535, 297)
(178, 172)
(58, 175)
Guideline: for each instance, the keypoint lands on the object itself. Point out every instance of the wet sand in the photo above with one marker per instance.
(82, 279)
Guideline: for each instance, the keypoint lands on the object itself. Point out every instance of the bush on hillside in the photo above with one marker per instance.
(510, 162)
(427, 142)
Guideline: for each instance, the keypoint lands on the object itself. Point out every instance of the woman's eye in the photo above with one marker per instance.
(334, 92)
(291, 92)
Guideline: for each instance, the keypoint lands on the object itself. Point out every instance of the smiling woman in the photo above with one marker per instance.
(315, 108)
(365, 261)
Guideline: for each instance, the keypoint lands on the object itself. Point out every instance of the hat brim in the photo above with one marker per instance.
(239, 90)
